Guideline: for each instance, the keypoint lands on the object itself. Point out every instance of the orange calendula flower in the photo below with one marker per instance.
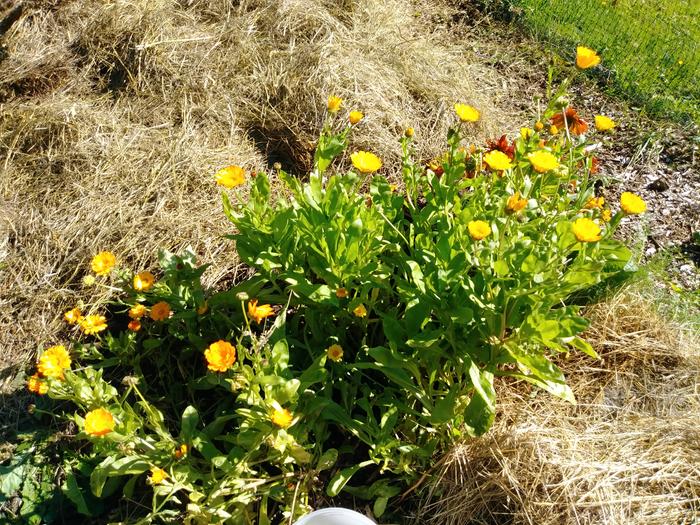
(99, 422)
(365, 162)
(360, 311)
(134, 325)
(137, 311)
(36, 385)
(282, 418)
(543, 161)
(334, 104)
(92, 324)
(158, 475)
(467, 113)
(335, 353)
(53, 361)
(230, 177)
(595, 203)
(586, 58)
(220, 356)
(73, 315)
(355, 117)
(603, 123)
(606, 215)
(160, 311)
(569, 117)
(181, 451)
(539, 126)
(341, 293)
(515, 203)
(479, 229)
(143, 281)
(258, 313)
(103, 262)
(586, 230)
(632, 204)
(497, 160)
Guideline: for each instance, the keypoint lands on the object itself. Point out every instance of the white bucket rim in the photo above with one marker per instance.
(354, 518)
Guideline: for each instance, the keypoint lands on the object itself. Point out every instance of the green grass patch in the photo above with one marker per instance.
(649, 48)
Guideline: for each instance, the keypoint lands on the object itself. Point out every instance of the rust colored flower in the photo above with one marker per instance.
(99, 422)
(220, 356)
(181, 451)
(576, 124)
(258, 313)
(160, 311)
(341, 293)
(134, 325)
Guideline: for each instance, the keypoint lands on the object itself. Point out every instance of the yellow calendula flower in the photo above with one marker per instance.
(334, 104)
(479, 229)
(230, 177)
(409, 132)
(586, 230)
(258, 313)
(143, 281)
(36, 385)
(586, 58)
(137, 311)
(515, 203)
(539, 126)
(134, 325)
(99, 422)
(53, 361)
(595, 203)
(355, 117)
(467, 113)
(526, 133)
(543, 161)
(341, 293)
(92, 324)
(360, 311)
(220, 356)
(631, 204)
(497, 160)
(103, 262)
(606, 215)
(282, 417)
(603, 123)
(365, 162)
(73, 315)
(160, 311)
(158, 475)
(553, 129)
(335, 352)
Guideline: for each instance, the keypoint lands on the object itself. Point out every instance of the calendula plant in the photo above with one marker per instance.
(371, 336)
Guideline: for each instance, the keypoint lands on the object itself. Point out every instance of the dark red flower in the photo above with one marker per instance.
(576, 124)
(502, 146)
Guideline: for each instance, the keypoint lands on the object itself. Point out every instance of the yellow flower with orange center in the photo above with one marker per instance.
(467, 113)
(160, 311)
(479, 229)
(282, 417)
(92, 324)
(158, 475)
(36, 385)
(586, 58)
(365, 162)
(341, 293)
(230, 177)
(360, 311)
(53, 361)
(103, 262)
(334, 104)
(220, 356)
(335, 352)
(73, 315)
(355, 117)
(258, 313)
(181, 451)
(586, 230)
(515, 203)
(134, 325)
(603, 123)
(497, 160)
(632, 204)
(143, 281)
(595, 203)
(543, 161)
(99, 422)
(137, 311)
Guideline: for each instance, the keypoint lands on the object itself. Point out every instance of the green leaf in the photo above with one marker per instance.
(327, 460)
(379, 506)
(501, 268)
(190, 419)
(341, 478)
(110, 468)
(416, 275)
(444, 409)
(85, 504)
(584, 346)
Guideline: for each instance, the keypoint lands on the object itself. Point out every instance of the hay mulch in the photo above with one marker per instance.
(628, 454)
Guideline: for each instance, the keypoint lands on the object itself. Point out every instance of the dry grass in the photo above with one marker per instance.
(628, 454)
(114, 115)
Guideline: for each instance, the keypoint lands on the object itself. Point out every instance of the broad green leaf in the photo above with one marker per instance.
(444, 409)
(341, 478)
(327, 459)
(379, 506)
(190, 419)
(73, 492)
